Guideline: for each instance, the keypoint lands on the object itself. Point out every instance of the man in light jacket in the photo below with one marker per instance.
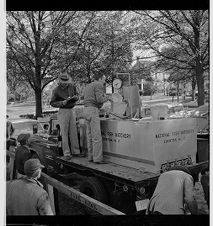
(174, 193)
(94, 97)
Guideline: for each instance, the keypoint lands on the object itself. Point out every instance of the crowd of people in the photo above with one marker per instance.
(173, 193)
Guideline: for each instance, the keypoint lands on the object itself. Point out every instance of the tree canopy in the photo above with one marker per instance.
(43, 44)
(179, 40)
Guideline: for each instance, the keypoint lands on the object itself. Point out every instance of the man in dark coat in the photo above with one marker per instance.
(22, 153)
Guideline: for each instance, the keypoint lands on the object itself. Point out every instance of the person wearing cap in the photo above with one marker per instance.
(26, 196)
(64, 97)
(22, 153)
(94, 97)
(174, 193)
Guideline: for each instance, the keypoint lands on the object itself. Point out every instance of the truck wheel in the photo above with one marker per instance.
(94, 188)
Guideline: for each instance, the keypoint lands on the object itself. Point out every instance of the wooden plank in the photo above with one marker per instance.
(80, 197)
(51, 196)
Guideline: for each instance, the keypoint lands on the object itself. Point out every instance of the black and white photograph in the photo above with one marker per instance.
(107, 114)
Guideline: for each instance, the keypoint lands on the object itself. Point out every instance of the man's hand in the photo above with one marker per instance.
(75, 97)
(192, 207)
(65, 101)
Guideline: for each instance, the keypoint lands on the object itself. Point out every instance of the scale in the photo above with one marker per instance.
(126, 98)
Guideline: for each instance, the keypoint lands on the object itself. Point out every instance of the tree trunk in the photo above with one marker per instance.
(88, 76)
(193, 88)
(200, 84)
(178, 99)
(199, 66)
(38, 97)
(184, 91)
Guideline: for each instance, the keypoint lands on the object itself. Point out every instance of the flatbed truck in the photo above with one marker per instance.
(121, 186)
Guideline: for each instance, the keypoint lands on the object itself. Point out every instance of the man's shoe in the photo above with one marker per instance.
(68, 157)
(79, 155)
(100, 162)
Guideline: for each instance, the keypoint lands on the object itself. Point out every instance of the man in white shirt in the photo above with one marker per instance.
(174, 193)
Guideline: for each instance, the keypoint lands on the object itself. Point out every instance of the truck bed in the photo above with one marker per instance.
(117, 172)
(109, 170)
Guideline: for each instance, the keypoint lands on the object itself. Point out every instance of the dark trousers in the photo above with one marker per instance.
(156, 213)
(205, 184)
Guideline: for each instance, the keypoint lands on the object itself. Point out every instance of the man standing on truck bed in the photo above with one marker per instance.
(64, 97)
(173, 193)
(94, 97)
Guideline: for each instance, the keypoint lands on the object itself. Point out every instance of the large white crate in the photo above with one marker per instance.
(146, 145)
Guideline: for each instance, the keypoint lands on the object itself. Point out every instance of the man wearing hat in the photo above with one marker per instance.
(64, 97)
(26, 196)
(22, 153)
(173, 193)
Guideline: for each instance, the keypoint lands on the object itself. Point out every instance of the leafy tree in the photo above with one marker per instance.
(178, 73)
(105, 47)
(142, 69)
(71, 42)
(31, 37)
(118, 36)
(17, 86)
(187, 32)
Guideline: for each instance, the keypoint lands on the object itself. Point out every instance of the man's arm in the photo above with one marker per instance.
(43, 205)
(100, 95)
(73, 94)
(54, 102)
(189, 195)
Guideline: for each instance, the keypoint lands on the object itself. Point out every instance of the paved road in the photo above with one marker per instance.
(16, 110)
(167, 100)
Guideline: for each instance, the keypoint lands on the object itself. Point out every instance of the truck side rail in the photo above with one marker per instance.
(52, 183)
(78, 196)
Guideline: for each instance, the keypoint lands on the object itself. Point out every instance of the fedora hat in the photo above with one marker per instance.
(64, 78)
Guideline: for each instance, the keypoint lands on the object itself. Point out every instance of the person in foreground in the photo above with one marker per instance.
(174, 193)
(26, 196)
(94, 97)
